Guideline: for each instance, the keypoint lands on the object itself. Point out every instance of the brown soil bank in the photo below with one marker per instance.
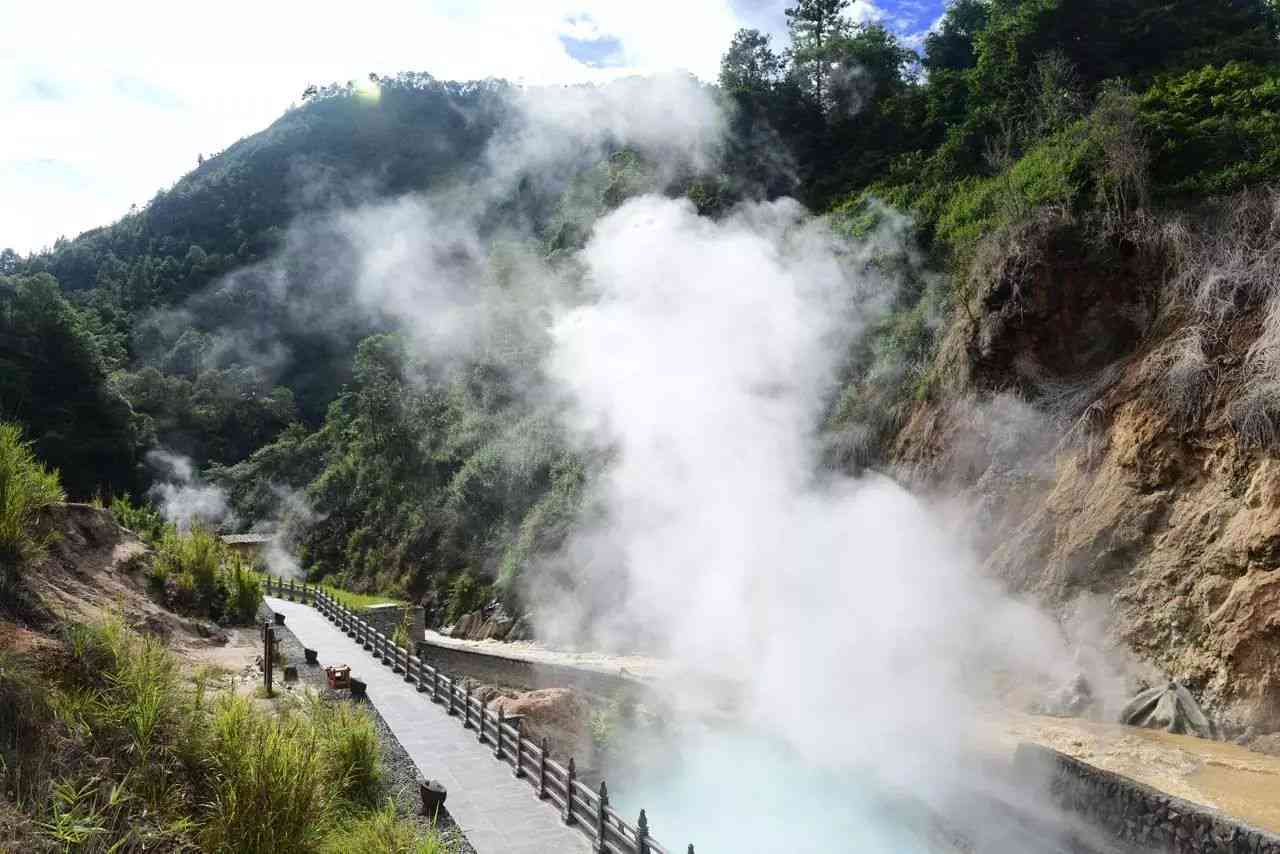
(1112, 410)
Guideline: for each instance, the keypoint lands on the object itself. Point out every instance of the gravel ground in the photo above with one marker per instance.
(401, 774)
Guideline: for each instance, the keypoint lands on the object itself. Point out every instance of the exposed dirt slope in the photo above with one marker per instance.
(1099, 424)
(95, 568)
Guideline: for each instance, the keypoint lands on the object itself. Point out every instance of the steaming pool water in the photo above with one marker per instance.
(736, 791)
(732, 791)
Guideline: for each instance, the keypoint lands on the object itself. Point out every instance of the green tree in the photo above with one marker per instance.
(53, 382)
(750, 64)
(813, 26)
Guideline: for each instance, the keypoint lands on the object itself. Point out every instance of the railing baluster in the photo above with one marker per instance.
(453, 697)
(497, 742)
(600, 808)
(466, 705)
(519, 769)
(542, 770)
(480, 729)
(642, 834)
(568, 792)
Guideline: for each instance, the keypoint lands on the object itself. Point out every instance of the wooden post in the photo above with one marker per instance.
(268, 648)
(600, 808)
(642, 834)
(497, 742)
(435, 689)
(453, 697)
(542, 770)
(519, 769)
(568, 792)
(292, 589)
(466, 705)
(480, 729)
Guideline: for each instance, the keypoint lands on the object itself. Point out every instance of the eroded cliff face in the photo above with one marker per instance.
(1116, 440)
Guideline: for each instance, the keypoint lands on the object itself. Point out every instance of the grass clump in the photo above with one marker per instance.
(382, 832)
(115, 748)
(26, 488)
(141, 518)
(198, 573)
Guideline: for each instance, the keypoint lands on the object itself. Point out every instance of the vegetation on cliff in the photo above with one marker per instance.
(1058, 166)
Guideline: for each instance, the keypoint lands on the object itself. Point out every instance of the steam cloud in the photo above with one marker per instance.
(702, 355)
(182, 496)
(704, 360)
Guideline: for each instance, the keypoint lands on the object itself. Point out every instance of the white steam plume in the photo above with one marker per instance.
(704, 360)
(182, 496)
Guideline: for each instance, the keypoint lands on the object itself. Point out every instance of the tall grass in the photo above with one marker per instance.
(383, 833)
(141, 518)
(352, 752)
(270, 792)
(26, 488)
(244, 591)
(131, 755)
(199, 573)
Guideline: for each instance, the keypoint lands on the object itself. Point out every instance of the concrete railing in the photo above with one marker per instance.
(588, 810)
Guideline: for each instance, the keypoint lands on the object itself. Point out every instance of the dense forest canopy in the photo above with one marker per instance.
(220, 321)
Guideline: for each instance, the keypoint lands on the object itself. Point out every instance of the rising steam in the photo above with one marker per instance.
(698, 357)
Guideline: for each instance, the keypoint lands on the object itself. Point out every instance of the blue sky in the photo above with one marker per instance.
(106, 103)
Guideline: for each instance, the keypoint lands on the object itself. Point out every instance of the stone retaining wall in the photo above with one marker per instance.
(1143, 817)
(496, 669)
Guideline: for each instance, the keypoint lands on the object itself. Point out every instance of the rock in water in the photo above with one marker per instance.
(1169, 707)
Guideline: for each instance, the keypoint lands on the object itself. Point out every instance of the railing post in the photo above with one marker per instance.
(542, 770)
(519, 769)
(466, 705)
(480, 729)
(268, 655)
(292, 589)
(568, 792)
(642, 834)
(497, 742)
(435, 689)
(600, 808)
(453, 697)
(408, 670)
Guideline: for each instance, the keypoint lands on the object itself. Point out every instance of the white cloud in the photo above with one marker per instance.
(865, 12)
(133, 92)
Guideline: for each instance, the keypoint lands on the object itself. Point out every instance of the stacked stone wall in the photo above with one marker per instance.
(1144, 818)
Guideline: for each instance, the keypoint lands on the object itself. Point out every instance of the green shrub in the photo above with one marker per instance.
(466, 594)
(243, 592)
(26, 488)
(269, 791)
(143, 762)
(198, 573)
(382, 832)
(348, 740)
(142, 518)
(1215, 129)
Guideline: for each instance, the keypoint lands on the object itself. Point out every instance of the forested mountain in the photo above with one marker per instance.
(220, 320)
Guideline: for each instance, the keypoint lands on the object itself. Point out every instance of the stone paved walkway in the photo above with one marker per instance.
(499, 813)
